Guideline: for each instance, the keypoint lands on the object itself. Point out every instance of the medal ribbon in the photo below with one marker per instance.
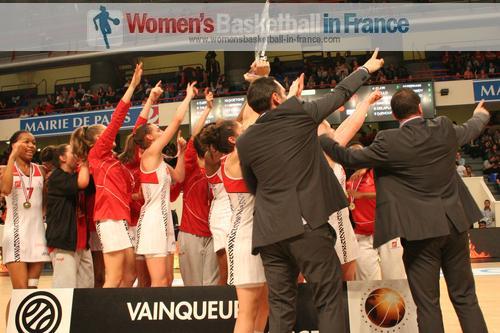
(357, 186)
(26, 191)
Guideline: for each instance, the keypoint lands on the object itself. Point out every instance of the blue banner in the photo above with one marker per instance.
(489, 90)
(60, 124)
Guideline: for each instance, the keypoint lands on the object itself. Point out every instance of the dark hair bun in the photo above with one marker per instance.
(47, 154)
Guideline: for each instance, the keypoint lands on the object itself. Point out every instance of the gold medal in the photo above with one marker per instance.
(27, 191)
(352, 206)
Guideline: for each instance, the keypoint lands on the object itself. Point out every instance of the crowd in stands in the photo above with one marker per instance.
(486, 148)
(77, 98)
(472, 65)
(326, 72)
(321, 72)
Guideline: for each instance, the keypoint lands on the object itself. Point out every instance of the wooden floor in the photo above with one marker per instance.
(488, 290)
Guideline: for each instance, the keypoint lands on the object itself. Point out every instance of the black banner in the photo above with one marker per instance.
(173, 310)
(484, 244)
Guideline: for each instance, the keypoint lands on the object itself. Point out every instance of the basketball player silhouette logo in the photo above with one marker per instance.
(104, 26)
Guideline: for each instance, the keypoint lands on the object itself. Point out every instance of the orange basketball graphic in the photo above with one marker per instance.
(385, 307)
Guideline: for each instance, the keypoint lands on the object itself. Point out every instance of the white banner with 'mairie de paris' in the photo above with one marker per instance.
(248, 26)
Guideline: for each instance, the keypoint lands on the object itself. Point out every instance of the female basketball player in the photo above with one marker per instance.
(24, 244)
(66, 231)
(131, 158)
(219, 218)
(197, 258)
(384, 262)
(155, 229)
(245, 271)
(114, 185)
(346, 245)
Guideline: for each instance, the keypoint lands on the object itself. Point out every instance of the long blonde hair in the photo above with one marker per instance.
(83, 138)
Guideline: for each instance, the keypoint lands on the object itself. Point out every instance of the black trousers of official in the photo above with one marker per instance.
(423, 260)
(313, 254)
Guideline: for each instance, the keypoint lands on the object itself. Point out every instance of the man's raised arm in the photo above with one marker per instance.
(323, 107)
(374, 155)
(471, 129)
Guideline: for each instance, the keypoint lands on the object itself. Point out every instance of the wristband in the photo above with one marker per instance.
(366, 69)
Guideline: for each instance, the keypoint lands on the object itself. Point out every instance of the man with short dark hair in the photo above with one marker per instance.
(488, 216)
(422, 199)
(295, 193)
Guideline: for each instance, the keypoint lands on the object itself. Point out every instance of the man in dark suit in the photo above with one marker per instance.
(295, 193)
(422, 199)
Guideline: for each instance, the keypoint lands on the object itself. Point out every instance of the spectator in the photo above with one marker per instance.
(341, 70)
(468, 171)
(110, 95)
(64, 92)
(329, 62)
(488, 215)
(76, 105)
(213, 68)
(72, 93)
(491, 69)
(87, 107)
(108, 105)
(468, 74)
(23, 114)
(80, 91)
(490, 165)
(483, 74)
(461, 170)
(100, 95)
(59, 102)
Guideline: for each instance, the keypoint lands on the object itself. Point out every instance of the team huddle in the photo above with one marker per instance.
(109, 221)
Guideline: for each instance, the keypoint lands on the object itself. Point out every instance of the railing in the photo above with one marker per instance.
(73, 79)
(173, 68)
(19, 85)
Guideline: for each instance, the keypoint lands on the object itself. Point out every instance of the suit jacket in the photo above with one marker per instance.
(418, 187)
(284, 166)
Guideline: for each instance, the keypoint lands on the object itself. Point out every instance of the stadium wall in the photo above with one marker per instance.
(62, 75)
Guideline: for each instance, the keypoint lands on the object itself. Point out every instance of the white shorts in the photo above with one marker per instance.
(114, 235)
(346, 245)
(382, 263)
(132, 232)
(219, 222)
(94, 242)
(245, 270)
